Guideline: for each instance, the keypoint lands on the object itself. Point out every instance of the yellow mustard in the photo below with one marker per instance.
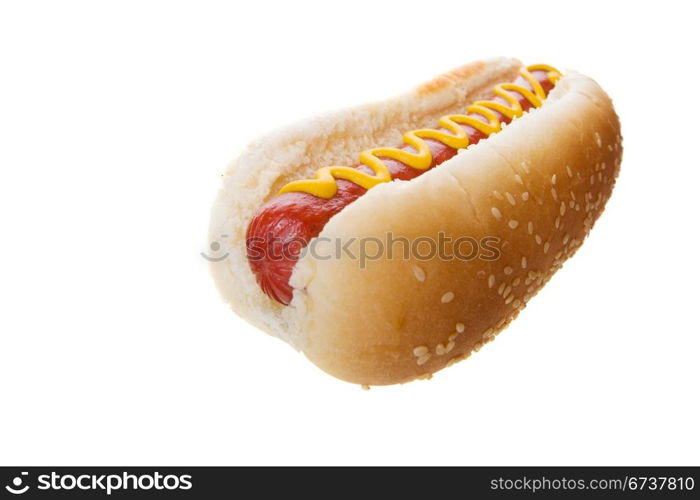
(324, 185)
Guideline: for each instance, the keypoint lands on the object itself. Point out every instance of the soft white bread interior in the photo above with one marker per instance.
(538, 186)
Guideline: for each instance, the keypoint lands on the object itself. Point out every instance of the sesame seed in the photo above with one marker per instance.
(516, 282)
(516, 303)
(568, 171)
(498, 195)
(572, 203)
(419, 351)
(496, 213)
(554, 194)
(573, 196)
(447, 297)
(423, 359)
(530, 227)
(512, 224)
(562, 208)
(418, 273)
(500, 288)
(523, 262)
(507, 270)
(492, 281)
(525, 196)
(546, 247)
(450, 345)
(565, 240)
(510, 298)
(510, 198)
(609, 147)
(460, 327)
(518, 179)
(554, 178)
(592, 180)
(556, 222)
(538, 239)
(526, 167)
(598, 141)
(507, 291)
(439, 349)
(602, 166)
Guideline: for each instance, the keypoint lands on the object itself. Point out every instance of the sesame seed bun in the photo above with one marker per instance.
(538, 186)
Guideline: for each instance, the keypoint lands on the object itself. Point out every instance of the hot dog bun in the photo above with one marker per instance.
(538, 186)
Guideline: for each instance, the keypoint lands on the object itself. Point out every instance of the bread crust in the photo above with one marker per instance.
(538, 186)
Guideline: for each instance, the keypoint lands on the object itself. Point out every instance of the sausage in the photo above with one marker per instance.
(284, 225)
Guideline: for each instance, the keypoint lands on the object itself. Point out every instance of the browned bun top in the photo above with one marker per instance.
(538, 186)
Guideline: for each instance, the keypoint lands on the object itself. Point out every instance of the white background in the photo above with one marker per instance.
(116, 119)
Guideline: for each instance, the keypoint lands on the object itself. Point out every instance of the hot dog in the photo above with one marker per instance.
(526, 159)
